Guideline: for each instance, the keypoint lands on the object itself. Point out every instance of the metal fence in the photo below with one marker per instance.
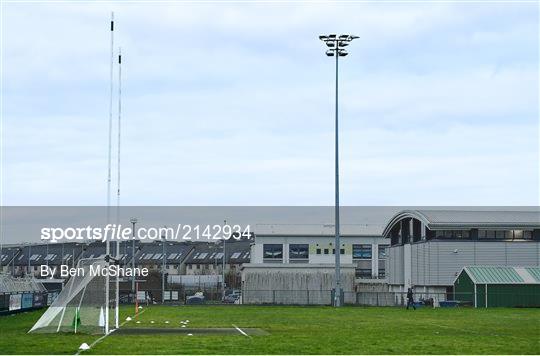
(325, 297)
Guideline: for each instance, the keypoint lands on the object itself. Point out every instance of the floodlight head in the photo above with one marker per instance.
(353, 37)
(133, 220)
(323, 37)
(343, 43)
(343, 37)
(330, 53)
(332, 36)
(342, 53)
(330, 44)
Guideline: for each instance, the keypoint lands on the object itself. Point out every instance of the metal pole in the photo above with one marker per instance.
(107, 244)
(133, 222)
(29, 255)
(163, 271)
(337, 293)
(117, 279)
(223, 265)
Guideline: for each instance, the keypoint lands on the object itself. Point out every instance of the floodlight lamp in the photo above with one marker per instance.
(330, 44)
(332, 36)
(330, 53)
(343, 37)
(343, 43)
(354, 37)
(323, 37)
(342, 53)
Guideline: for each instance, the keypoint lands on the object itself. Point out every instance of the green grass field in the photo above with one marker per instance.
(300, 330)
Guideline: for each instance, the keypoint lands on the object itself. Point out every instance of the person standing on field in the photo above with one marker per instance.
(410, 299)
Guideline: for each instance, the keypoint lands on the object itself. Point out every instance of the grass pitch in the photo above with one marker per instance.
(299, 330)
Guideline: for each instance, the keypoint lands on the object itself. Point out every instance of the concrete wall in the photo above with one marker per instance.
(293, 284)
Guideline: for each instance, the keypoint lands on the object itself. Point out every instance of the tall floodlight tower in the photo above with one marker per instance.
(336, 48)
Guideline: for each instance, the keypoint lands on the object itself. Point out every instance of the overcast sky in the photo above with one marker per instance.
(232, 104)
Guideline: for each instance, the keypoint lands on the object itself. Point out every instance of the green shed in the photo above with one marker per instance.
(498, 286)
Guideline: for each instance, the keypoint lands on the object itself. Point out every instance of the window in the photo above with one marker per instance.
(235, 255)
(318, 251)
(362, 252)
(363, 269)
(518, 234)
(273, 251)
(326, 252)
(298, 251)
(527, 235)
(383, 251)
(382, 273)
(493, 234)
(452, 234)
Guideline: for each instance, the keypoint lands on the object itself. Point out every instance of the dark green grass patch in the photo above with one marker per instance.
(300, 330)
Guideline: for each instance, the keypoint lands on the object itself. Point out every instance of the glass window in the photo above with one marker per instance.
(318, 251)
(383, 251)
(272, 251)
(382, 273)
(362, 251)
(527, 235)
(326, 251)
(518, 234)
(461, 234)
(298, 251)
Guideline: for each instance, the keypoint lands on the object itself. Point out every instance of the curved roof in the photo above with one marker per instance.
(467, 219)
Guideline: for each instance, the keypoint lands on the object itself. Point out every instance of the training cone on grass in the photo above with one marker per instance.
(128, 319)
(84, 346)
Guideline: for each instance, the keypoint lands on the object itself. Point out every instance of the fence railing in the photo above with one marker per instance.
(325, 297)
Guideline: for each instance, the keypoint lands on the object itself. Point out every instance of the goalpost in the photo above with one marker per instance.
(89, 302)
(81, 306)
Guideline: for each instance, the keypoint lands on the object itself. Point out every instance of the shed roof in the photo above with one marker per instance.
(502, 274)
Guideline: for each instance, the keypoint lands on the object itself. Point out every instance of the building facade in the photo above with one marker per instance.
(428, 248)
(361, 247)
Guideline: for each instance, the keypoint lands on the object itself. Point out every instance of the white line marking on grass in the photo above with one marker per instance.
(95, 342)
(241, 331)
(104, 336)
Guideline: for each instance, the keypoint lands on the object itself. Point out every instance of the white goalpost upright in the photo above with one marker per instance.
(108, 245)
(117, 301)
(84, 303)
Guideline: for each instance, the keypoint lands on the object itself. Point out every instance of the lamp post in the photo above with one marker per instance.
(163, 240)
(336, 48)
(223, 266)
(29, 256)
(133, 222)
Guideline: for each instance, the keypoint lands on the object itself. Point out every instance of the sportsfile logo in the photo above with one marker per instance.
(119, 232)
